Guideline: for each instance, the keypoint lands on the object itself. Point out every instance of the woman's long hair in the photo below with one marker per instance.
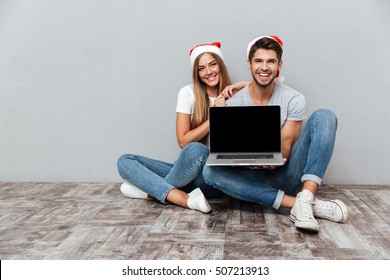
(202, 102)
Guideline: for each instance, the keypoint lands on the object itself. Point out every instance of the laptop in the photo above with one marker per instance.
(245, 136)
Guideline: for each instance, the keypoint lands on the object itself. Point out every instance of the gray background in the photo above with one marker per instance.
(84, 81)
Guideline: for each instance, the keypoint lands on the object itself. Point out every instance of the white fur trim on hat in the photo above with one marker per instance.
(199, 49)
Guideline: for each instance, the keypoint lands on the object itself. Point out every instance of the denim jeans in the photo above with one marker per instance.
(309, 159)
(158, 178)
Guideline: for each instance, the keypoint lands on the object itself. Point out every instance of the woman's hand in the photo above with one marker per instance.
(228, 92)
(220, 101)
(231, 90)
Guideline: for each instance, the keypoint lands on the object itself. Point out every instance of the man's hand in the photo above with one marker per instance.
(268, 167)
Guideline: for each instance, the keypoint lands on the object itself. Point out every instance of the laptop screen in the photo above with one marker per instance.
(245, 129)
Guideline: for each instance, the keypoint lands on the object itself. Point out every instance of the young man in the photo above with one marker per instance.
(306, 150)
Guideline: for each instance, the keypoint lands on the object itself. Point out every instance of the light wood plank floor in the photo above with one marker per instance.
(95, 221)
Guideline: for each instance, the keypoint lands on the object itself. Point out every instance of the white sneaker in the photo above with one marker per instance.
(302, 212)
(197, 201)
(131, 191)
(333, 210)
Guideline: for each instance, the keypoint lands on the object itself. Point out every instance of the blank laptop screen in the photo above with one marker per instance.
(245, 129)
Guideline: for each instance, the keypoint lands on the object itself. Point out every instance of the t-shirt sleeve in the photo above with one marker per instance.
(185, 100)
(296, 108)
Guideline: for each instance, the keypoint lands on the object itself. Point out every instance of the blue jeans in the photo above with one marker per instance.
(309, 159)
(158, 178)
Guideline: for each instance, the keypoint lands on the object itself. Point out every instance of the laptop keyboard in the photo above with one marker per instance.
(246, 156)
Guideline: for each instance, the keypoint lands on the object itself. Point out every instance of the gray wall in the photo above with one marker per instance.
(84, 81)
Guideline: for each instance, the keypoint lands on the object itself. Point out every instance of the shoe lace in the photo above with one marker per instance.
(306, 208)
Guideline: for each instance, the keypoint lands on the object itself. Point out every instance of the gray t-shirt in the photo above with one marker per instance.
(292, 102)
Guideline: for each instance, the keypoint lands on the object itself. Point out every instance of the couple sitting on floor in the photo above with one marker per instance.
(306, 149)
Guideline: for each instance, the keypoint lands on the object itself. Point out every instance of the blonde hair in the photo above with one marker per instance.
(202, 102)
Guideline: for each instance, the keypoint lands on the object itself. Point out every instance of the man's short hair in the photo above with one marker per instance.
(266, 43)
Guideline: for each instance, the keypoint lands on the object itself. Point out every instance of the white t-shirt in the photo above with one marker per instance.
(186, 100)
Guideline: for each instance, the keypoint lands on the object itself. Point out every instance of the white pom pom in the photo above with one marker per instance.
(280, 79)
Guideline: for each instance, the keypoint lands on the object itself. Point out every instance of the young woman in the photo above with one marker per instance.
(182, 183)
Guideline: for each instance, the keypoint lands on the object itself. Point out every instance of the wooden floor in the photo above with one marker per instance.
(95, 221)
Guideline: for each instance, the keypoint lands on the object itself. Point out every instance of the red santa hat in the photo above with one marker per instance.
(202, 48)
(279, 78)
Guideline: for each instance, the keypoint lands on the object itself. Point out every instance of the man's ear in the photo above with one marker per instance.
(280, 65)
(248, 64)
